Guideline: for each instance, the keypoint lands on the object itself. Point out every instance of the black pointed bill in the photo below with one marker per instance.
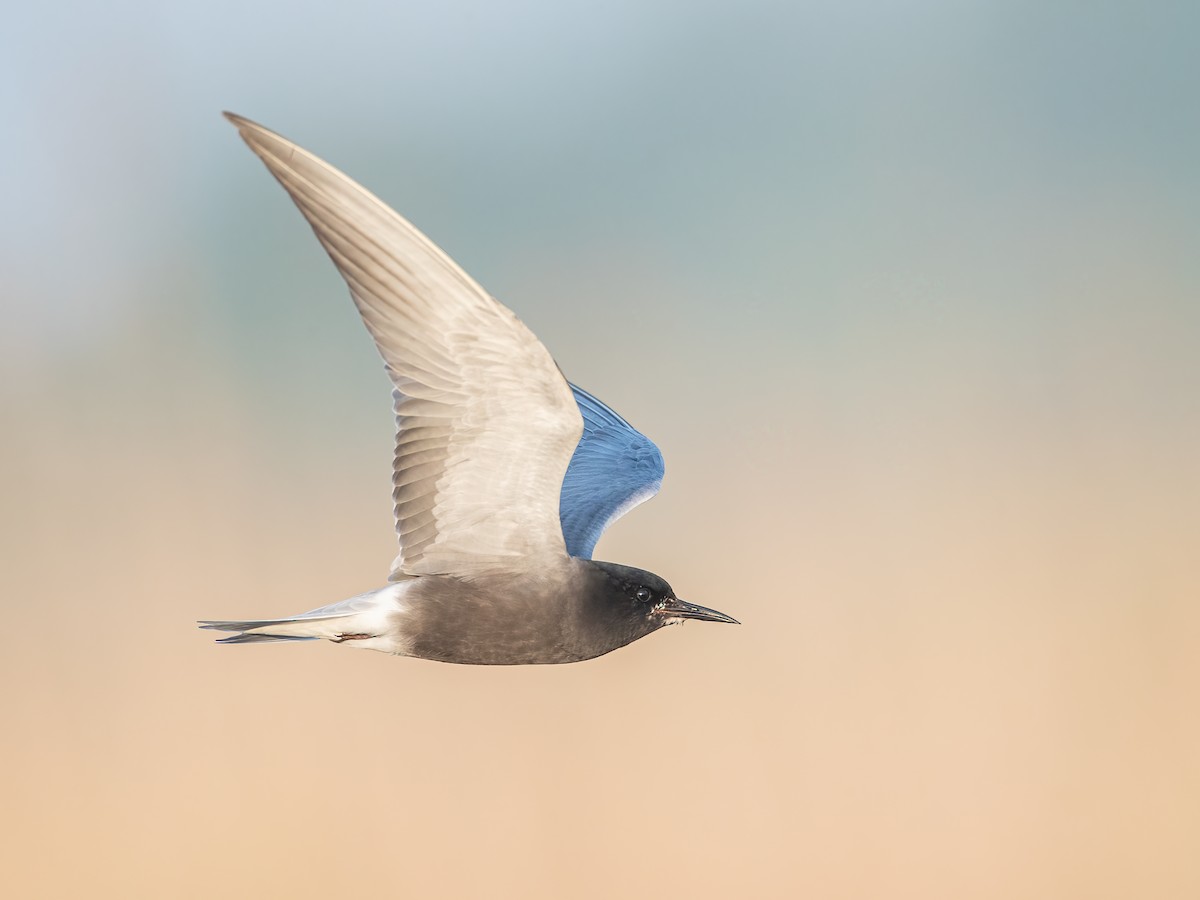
(678, 609)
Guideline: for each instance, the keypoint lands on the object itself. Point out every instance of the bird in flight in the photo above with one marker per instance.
(505, 475)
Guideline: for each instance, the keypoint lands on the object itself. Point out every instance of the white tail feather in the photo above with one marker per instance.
(369, 614)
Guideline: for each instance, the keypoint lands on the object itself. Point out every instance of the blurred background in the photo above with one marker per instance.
(906, 293)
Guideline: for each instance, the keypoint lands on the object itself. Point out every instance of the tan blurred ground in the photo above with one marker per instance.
(968, 669)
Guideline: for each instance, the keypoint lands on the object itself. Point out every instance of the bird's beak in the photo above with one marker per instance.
(678, 609)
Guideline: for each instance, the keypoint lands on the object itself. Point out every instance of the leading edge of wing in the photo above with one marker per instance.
(614, 468)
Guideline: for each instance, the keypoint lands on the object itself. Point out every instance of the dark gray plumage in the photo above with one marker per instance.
(486, 430)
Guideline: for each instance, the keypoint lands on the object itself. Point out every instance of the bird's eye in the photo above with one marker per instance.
(643, 594)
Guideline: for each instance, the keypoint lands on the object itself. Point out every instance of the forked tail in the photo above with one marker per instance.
(297, 628)
(361, 619)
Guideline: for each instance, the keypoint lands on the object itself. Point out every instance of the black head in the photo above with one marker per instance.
(630, 603)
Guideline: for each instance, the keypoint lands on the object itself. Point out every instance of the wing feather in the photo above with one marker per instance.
(486, 424)
(614, 468)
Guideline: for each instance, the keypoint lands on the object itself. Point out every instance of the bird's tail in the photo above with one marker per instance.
(361, 617)
(298, 628)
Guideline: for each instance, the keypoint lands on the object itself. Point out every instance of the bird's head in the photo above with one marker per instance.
(641, 602)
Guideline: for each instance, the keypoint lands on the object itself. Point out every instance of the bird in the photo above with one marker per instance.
(505, 475)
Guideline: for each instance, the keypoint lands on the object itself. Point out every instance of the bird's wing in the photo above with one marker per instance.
(486, 423)
(615, 467)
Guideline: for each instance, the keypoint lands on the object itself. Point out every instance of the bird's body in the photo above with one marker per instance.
(505, 475)
(576, 610)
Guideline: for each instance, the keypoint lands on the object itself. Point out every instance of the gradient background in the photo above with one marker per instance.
(906, 292)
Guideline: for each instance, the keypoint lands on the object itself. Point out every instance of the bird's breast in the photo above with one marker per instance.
(501, 620)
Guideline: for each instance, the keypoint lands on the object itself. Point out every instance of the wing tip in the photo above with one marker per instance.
(244, 126)
(257, 136)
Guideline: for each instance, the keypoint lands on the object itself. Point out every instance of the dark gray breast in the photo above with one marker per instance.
(564, 614)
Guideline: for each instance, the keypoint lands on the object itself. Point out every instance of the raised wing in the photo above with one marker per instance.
(486, 424)
(615, 467)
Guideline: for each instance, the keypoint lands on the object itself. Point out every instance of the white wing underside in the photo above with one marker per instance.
(486, 423)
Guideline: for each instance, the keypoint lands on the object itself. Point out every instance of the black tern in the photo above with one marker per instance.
(505, 474)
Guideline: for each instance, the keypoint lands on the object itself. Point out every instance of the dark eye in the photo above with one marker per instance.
(643, 594)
